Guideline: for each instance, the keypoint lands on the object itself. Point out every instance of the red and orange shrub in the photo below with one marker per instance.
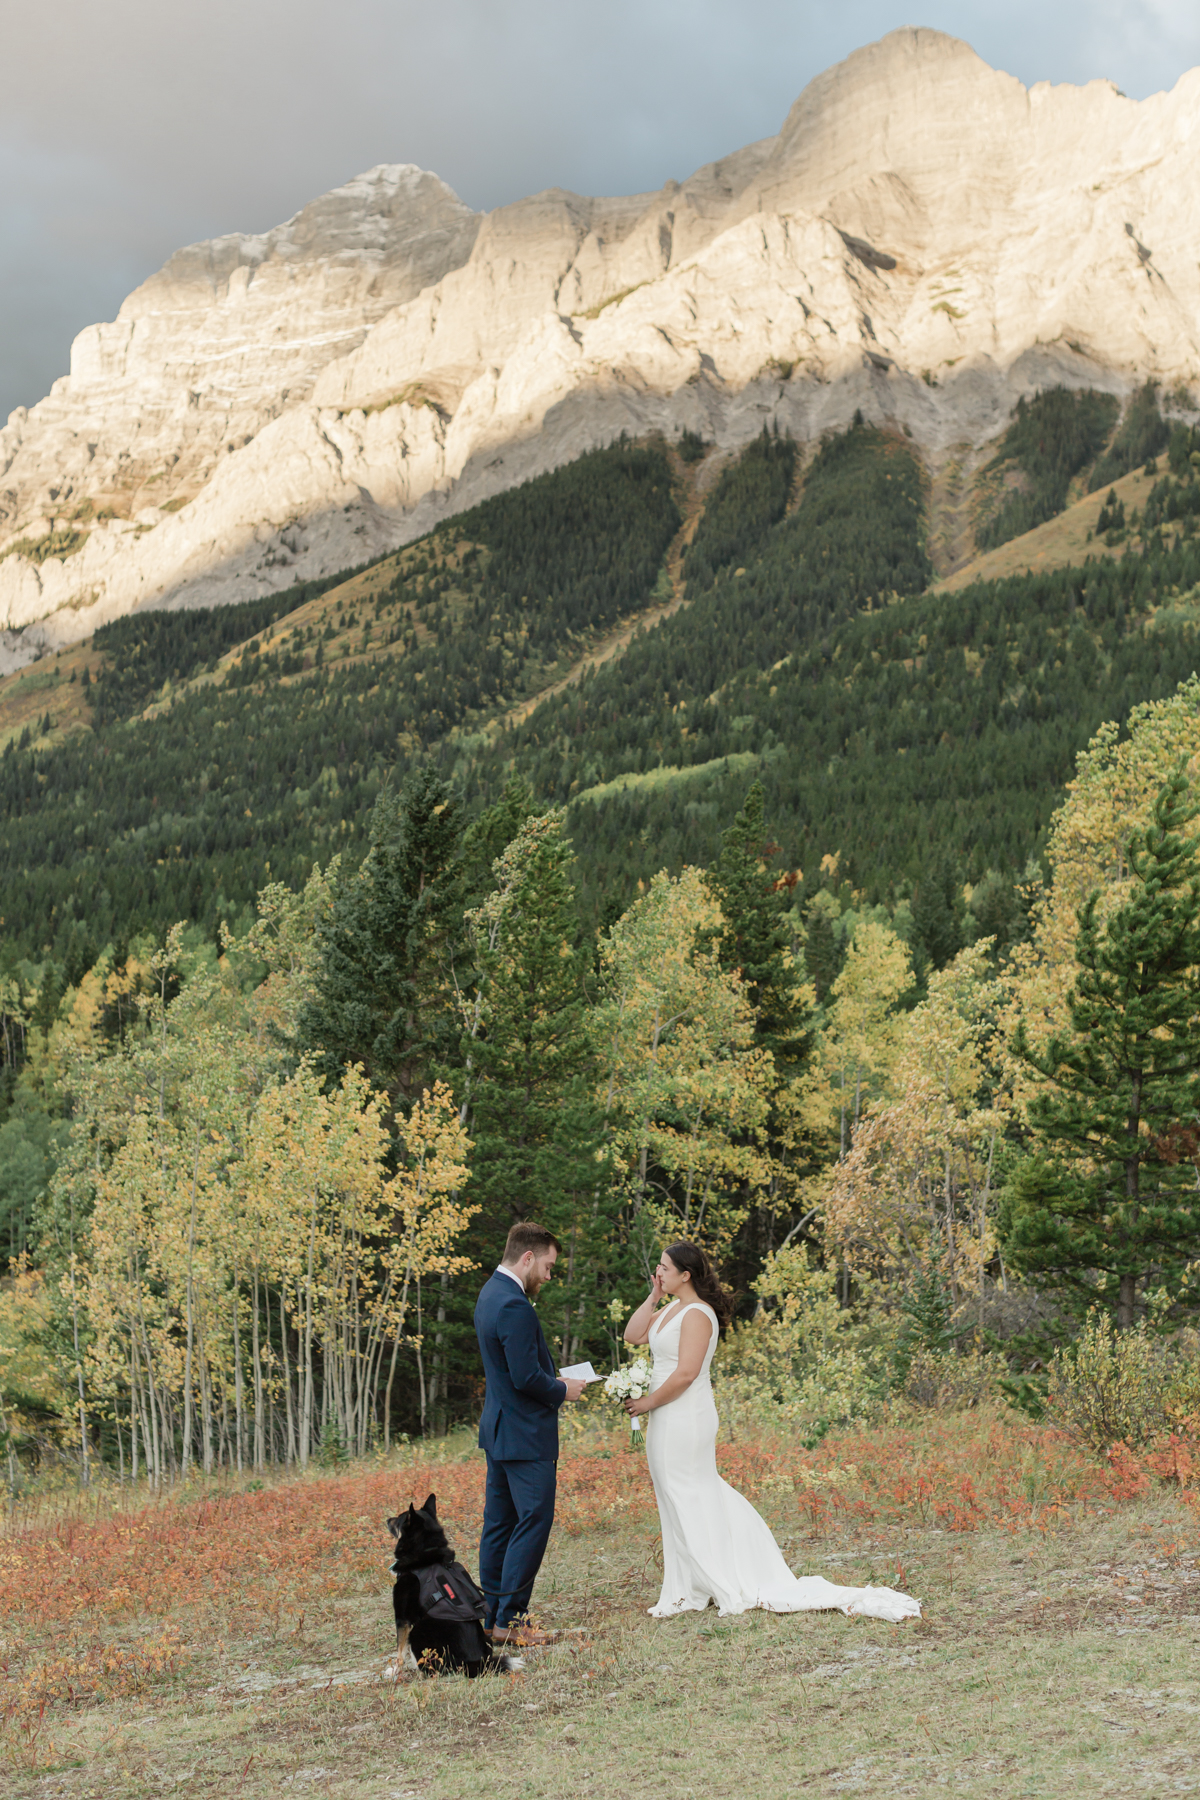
(326, 1536)
(93, 1608)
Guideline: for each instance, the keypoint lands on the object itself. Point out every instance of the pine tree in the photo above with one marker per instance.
(382, 971)
(533, 1114)
(1107, 1205)
(823, 953)
(755, 937)
(938, 922)
(755, 940)
(488, 836)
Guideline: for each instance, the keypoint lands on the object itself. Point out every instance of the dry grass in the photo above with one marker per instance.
(46, 687)
(1060, 542)
(234, 1642)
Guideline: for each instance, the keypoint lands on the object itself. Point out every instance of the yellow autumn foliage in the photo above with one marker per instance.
(1111, 797)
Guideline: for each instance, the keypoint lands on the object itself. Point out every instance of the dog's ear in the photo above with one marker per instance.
(394, 1525)
(430, 1507)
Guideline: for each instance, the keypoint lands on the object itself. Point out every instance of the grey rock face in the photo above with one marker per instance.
(924, 239)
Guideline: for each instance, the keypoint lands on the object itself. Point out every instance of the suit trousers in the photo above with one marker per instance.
(518, 1511)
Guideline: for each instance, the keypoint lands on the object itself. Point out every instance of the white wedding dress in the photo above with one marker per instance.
(715, 1546)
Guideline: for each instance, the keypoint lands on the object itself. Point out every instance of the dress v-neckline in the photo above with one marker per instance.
(661, 1320)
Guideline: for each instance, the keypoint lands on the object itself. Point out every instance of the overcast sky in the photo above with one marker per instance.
(129, 127)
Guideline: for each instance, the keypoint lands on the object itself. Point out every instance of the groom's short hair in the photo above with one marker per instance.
(525, 1235)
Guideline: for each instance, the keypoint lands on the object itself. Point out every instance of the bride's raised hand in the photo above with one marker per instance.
(656, 1287)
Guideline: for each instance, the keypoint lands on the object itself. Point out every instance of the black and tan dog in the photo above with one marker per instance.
(438, 1607)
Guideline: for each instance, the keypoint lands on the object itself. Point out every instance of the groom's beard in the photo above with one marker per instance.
(533, 1285)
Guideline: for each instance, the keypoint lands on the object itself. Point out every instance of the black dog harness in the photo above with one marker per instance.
(449, 1595)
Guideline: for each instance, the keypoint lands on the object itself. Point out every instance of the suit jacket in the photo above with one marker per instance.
(520, 1411)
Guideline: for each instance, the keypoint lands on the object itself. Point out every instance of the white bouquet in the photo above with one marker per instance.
(629, 1382)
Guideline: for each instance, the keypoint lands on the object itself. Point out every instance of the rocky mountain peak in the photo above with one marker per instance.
(925, 239)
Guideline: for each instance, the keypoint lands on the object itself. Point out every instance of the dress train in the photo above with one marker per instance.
(715, 1546)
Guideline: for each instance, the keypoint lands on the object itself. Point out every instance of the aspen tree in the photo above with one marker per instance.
(860, 1034)
(685, 1089)
(916, 1191)
(1111, 798)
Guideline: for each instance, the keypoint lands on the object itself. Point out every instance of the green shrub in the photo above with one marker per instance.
(1126, 1387)
(804, 1359)
(939, 1381)
(60, 540)
(332, 1451)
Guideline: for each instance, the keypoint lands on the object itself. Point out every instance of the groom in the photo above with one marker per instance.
(519, 1427)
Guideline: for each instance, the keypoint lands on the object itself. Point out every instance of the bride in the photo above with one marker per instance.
(715, 1546)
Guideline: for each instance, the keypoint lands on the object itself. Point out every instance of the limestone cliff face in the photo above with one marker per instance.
(925, 239)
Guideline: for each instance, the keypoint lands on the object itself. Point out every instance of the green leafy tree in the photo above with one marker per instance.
(1107, 1204)
(686, 1087)
(29, 1143)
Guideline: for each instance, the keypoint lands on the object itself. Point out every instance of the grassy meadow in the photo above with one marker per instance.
(233, 1639)
(629, 943)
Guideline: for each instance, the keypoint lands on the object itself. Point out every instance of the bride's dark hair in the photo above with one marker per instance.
(690, 1259)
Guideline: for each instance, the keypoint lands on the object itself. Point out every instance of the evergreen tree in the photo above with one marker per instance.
(823, 953)
(755, 937)
(1107, 1204)
(533, 1114)
(383, 964)
(998, 912)
(488, 836)
(938, 909)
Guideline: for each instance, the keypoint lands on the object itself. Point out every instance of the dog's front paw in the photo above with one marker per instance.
(404, 1664)
(510, 1664)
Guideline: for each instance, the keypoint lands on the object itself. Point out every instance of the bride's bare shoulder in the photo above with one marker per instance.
(700, 1318)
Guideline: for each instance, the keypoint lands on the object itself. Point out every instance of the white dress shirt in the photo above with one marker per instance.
(512, 1276)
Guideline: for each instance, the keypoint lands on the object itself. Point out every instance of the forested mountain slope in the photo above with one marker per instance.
(887, 731)
(212, 758)
(891, 726)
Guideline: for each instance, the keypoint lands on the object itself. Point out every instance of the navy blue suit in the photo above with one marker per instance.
(519, 1432)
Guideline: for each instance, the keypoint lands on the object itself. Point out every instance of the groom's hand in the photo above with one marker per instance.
(574, 1388)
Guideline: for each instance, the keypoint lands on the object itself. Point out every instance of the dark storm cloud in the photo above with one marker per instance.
(132, 126)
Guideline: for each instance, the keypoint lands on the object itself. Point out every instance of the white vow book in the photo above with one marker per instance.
(579, 1372)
